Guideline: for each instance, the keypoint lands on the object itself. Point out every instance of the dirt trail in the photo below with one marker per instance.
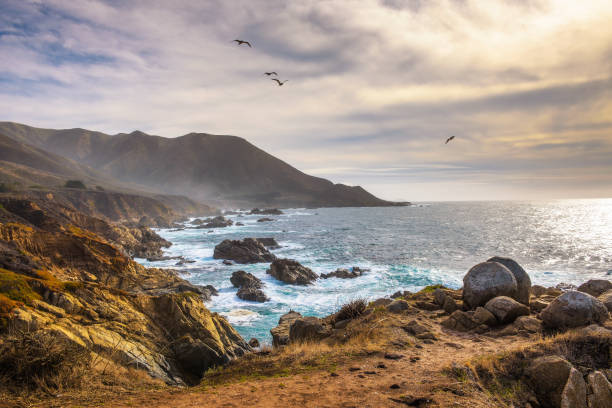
(359, 382)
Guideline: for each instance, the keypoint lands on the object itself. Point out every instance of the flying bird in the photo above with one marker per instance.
(240, 42)
(449, 139)
(279, 82)
(270, 73)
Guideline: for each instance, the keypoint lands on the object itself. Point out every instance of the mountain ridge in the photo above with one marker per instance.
(223, 170)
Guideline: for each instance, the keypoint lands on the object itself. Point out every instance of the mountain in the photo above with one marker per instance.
(36, 172)
(222, 170)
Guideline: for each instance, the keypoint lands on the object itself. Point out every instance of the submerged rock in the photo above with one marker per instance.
(488, 280)
(290, 271)
(573, 309)
(248, 250)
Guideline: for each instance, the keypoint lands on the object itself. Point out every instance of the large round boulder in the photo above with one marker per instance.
(506, 309)
(488, 280)
(595, 287)
(573, 309)
(290, 271)
(523, 282)
(247, 251)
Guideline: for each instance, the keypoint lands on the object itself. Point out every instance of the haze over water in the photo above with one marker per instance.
(405, 248)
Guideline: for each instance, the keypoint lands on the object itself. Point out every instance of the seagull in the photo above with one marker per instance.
(270, 73)
(280, 83)
(449, 139)
(240, 42)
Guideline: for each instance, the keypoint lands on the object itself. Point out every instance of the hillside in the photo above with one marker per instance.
(222, 170)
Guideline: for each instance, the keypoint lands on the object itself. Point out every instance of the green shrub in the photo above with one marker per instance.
(75, 184)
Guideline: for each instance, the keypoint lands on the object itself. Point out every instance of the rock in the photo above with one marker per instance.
(419, 331)
(227, 262)
(537, 306)
(426, 305)
(393, 356)
(548, 376)
(506, 309)
(528, 324)
(341, 324)
(292, 272)
(600, 390)
(594, 330)
(252, 294)
(247, 251)
(523, 282)
(595, 287)
(216, 222)
(381, 302)
(265, 219)
(483, 316)
(402, 294)
(485, 281)
(564, 287)
(239, 224)
(197, 221)
(573, 309)
(308, 328)
(575, 393)
(460, 321)
(341, 273)
(280, 333)
(269, 243)
(254, 342)
(606, 299)
(398, 306)
(538, 290)
(266, 211)
(242, 278)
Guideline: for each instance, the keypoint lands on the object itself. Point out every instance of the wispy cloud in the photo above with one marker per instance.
(375, 86)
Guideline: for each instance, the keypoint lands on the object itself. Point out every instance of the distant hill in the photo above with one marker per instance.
(222, 170)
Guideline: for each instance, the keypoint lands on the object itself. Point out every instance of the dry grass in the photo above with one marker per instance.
(351, 310)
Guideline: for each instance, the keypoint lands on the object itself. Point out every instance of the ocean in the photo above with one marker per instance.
(404, 248)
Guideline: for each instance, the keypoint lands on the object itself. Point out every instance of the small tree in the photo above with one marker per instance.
(75, 184)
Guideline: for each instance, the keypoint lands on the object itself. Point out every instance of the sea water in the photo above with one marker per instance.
(404, 248)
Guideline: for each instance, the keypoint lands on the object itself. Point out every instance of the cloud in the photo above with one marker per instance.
(375, 86)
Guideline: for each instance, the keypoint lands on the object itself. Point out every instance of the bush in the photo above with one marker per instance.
(351, 310)
(39, 360)
(75, 184)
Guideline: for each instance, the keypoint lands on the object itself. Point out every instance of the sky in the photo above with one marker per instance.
(375, 86)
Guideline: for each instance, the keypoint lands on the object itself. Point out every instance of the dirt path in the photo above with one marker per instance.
(358, 383)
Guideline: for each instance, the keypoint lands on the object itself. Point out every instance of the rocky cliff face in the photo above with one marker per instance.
(69, 274)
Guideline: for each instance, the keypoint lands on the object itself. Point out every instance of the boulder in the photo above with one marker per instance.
(574, 393)
(595, 287)
(506, 309)
(398, 306)
(606, 299)
(280, 333)
(292, 272)
(402, 294)
(269, 243)
(254, 342)
(528, 324)
(308, 328)
(599, 390)
(381, 302)
(488, 280)
(216, 222)
(443, 299)
(483, 316)
(573, 309)
(523, 282)
(460, 321)
(247, 251)
(245, 279)
(252, 294)
(548, 376)
(265, 219)
(342, 273)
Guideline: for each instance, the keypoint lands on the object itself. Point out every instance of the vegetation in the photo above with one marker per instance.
(431, 288)
(75, 184)
(352, 310)
(6, 187)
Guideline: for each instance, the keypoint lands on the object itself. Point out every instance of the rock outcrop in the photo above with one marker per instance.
(247, 251)
(342, 273)
(292, 272)
(250, 287)
(78, 285)
(280, 333)
(269, 243)
(573, 309)
(215, 222)
(487, 280)
(308, 328)
(266, 211)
